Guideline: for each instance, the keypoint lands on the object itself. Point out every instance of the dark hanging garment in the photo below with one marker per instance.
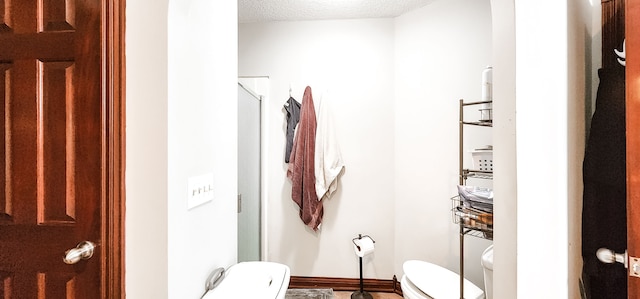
(604, 221)
(293, 117)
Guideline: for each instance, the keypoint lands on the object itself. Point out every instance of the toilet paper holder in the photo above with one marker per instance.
(361, 294)
(359, 237)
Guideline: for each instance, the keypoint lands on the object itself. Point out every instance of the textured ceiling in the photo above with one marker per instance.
(251, 11)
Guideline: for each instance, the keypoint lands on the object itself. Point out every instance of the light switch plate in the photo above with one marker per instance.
(200, 190)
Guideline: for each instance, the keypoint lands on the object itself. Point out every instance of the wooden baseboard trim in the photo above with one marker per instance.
(346, 284)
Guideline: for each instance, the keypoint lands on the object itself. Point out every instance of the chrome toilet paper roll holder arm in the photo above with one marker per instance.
(359, 237)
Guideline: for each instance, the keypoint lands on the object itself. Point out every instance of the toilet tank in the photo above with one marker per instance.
(487, 267)
(256, 280)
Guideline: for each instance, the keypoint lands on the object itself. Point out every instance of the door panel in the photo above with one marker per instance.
(56, 147)
(56, 152)
(633, 136)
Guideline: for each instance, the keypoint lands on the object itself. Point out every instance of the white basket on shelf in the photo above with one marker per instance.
(482, 159)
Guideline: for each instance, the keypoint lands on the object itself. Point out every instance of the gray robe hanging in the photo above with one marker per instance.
(293, 117)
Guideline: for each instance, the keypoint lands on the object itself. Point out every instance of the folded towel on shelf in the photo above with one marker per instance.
(478, 194)
(476, 197)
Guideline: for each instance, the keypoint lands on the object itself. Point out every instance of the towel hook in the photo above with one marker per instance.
(622, 56)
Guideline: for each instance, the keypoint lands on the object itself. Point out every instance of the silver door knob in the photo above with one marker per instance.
(83, 251)
(608, 256)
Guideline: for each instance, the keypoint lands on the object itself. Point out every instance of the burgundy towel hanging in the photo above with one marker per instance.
(301, 169)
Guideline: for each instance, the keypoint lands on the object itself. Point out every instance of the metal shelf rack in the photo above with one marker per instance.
(471, 222)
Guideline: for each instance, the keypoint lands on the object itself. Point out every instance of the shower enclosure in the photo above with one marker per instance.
(249, 210)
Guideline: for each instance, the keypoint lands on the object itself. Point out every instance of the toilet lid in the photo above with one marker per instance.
(256, 280)
(438, 282)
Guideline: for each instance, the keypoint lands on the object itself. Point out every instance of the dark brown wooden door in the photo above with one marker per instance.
(632, 34)
(54, 150)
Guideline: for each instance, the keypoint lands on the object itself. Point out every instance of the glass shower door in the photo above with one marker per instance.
(248, 175)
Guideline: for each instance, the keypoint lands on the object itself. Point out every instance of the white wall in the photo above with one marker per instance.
(504, 129)
(146, 150)
(181, 122)
(441, 51)
(542, 167)
(202, 139)
(542, 147)
(550, 81)
(353, 61)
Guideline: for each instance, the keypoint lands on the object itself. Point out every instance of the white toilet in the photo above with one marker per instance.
(256, 280)
(487, 266)
(422, 280)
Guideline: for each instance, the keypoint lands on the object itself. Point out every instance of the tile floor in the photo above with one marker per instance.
(347, 295)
